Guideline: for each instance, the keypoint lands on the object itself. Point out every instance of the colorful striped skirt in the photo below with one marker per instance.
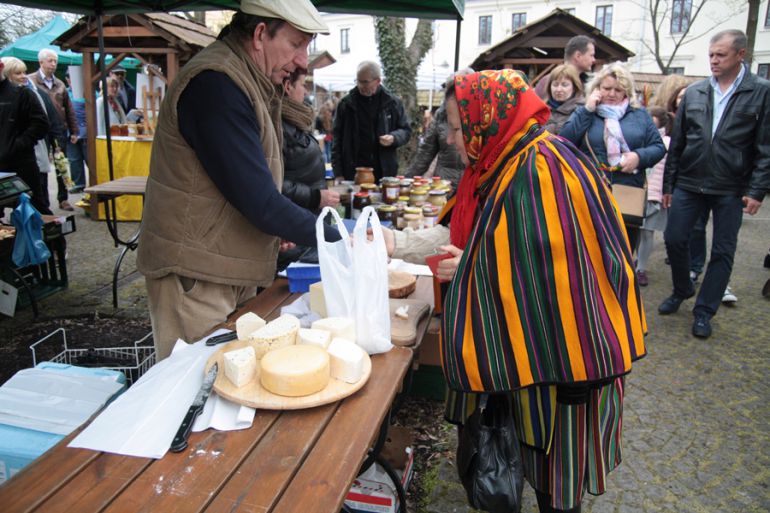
(567, 449)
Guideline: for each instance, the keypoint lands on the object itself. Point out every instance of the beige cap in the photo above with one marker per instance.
(300, 14)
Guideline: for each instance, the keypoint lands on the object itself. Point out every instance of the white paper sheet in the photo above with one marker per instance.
(143, 420)
(415, 269)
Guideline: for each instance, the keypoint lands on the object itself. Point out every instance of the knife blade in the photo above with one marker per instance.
(180, 439)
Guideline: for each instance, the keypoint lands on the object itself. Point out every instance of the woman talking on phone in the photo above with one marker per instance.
(615, 132)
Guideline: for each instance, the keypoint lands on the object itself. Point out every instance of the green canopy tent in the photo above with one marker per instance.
(26, 47)
(432, 9)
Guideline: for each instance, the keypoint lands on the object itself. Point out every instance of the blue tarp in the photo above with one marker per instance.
(26, 47)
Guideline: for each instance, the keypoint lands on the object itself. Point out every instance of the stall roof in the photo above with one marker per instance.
(432, 9)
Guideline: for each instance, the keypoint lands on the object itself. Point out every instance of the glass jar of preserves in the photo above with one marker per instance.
(418, 197)
(430, 215)
(364, 175)
(413, 221)
(437, 197)
(390, 190)
(388, 213)
(360, 200)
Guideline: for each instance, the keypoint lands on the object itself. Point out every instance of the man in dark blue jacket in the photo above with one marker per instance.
(718, 161)
(369, 125)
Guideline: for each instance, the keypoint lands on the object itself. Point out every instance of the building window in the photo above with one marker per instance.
(763, 70)
(485, 30)
(345, 40)
(681, 11)
(604, 19)
(518, 21)
(677, 70)
(570, 10)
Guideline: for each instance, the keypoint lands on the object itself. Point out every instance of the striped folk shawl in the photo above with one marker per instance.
(545, 292)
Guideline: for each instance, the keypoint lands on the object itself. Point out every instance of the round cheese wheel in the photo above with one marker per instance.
(295, 371)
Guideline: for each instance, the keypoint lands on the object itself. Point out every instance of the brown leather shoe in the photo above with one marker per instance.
(65, 205)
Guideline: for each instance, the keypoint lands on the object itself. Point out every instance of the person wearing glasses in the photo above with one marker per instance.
(370, 124)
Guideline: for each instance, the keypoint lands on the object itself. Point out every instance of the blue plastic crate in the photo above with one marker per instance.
(301, 277)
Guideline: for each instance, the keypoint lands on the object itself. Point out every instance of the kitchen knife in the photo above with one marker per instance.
(180, 439)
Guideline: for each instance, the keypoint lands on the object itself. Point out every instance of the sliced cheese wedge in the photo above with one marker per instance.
(342, 327)
(347, 360)
(247, 324)
(317, 299)
(280, 332)
(319, 338)
(295, 371)
(240, 365)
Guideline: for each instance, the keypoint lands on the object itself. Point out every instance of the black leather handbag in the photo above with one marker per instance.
(489, 457)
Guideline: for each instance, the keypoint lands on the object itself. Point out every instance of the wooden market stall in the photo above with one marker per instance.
(161, 41)
(538, 47)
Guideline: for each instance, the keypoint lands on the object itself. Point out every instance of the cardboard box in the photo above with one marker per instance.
(374, 491)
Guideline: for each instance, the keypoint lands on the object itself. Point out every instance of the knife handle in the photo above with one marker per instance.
(225, 337)
(179, 443)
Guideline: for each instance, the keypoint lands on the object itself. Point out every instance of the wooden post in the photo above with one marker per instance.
(89, 94)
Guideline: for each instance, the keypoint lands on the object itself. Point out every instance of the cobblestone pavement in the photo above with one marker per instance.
(696, 412)
(695, 437)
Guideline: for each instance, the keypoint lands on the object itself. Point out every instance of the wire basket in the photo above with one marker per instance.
(131, 361)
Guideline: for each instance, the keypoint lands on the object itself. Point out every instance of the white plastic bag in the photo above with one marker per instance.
(336, 262)
(370, 274)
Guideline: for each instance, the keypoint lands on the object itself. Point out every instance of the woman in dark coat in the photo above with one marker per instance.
(616, 132)
(564, 95)
(304, 166)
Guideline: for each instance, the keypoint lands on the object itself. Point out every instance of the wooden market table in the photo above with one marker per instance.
(300, 461)
(109, 193)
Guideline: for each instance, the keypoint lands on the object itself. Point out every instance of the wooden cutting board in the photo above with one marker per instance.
(401, 284)
(254, 394)
(403, 332)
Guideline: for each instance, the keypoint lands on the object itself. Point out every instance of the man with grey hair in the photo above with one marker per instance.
(369, 125)
(45, 81)
(719, 162)
(214, 215)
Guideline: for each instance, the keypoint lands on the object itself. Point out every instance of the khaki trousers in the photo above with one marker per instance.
(186, 308)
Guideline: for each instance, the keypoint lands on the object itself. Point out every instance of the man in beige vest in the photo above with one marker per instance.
(214, 215)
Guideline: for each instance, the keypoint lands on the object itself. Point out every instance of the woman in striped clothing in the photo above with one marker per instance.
(543, 304)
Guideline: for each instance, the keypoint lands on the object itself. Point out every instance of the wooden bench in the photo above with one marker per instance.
(301, 461)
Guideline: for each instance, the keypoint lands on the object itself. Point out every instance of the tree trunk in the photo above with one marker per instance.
(751, 30)
(399, 68)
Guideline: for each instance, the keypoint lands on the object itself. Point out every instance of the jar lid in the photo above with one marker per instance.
(413, 210)
(437, 192)
(405, 199)
(362, 194)
(368, 186)
(386, 208)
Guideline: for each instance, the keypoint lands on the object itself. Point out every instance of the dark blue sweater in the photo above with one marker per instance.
(227, 141)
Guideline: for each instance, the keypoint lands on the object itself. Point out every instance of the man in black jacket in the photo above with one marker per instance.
(22, 123)
(718, 161)
(370, 124)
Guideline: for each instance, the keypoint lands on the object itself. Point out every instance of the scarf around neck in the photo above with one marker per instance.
(495, 108)
(298, 114)
(614, 141)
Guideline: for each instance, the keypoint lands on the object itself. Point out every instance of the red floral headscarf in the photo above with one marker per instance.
(494, 107)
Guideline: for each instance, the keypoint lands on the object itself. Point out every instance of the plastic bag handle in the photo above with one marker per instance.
(370, 215)
(320, 233)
